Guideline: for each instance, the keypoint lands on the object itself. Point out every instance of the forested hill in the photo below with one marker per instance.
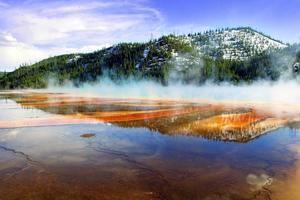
(234, 55)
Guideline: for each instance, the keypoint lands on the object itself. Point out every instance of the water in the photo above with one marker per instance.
(124, 160)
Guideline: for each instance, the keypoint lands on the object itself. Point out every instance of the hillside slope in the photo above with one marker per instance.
(236, 43)
(234, 55)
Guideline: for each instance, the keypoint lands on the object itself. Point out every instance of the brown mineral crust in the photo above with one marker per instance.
(226, 119)
(88, 135)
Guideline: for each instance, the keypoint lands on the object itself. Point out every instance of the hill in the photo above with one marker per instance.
(236, 43)
(235, 55)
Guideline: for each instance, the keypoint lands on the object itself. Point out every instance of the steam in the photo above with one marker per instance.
(283, 91)
(263, 91)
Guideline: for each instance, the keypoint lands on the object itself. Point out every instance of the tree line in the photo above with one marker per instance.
(152, 61)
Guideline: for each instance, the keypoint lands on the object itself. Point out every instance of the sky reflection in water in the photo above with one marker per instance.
(137, 163)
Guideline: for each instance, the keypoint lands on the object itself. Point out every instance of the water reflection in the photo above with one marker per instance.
(160, 156)
(146, 163)
(212, 120)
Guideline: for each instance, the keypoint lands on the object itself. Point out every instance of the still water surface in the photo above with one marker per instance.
(101, 160)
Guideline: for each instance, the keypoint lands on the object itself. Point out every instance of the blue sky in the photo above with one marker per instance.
(31, 30)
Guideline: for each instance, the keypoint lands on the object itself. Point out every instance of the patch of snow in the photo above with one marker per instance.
(74, 59)
(146, 52)
(137, 65)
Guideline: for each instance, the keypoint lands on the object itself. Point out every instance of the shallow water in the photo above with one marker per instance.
(133, 160)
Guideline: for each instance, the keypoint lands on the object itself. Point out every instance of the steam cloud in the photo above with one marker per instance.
(285, 90)
(262, 91)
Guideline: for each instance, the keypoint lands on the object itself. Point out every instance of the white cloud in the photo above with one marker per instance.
(35, 30)
(37, 25)
(14, 53)
(7, 39)
(77, 8)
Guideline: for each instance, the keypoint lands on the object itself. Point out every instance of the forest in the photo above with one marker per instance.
(156, 60)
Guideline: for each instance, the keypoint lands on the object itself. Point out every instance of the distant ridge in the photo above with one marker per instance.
(236, 43)
(232, 54)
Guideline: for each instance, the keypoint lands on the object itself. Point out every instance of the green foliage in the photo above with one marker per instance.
(154, 61)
